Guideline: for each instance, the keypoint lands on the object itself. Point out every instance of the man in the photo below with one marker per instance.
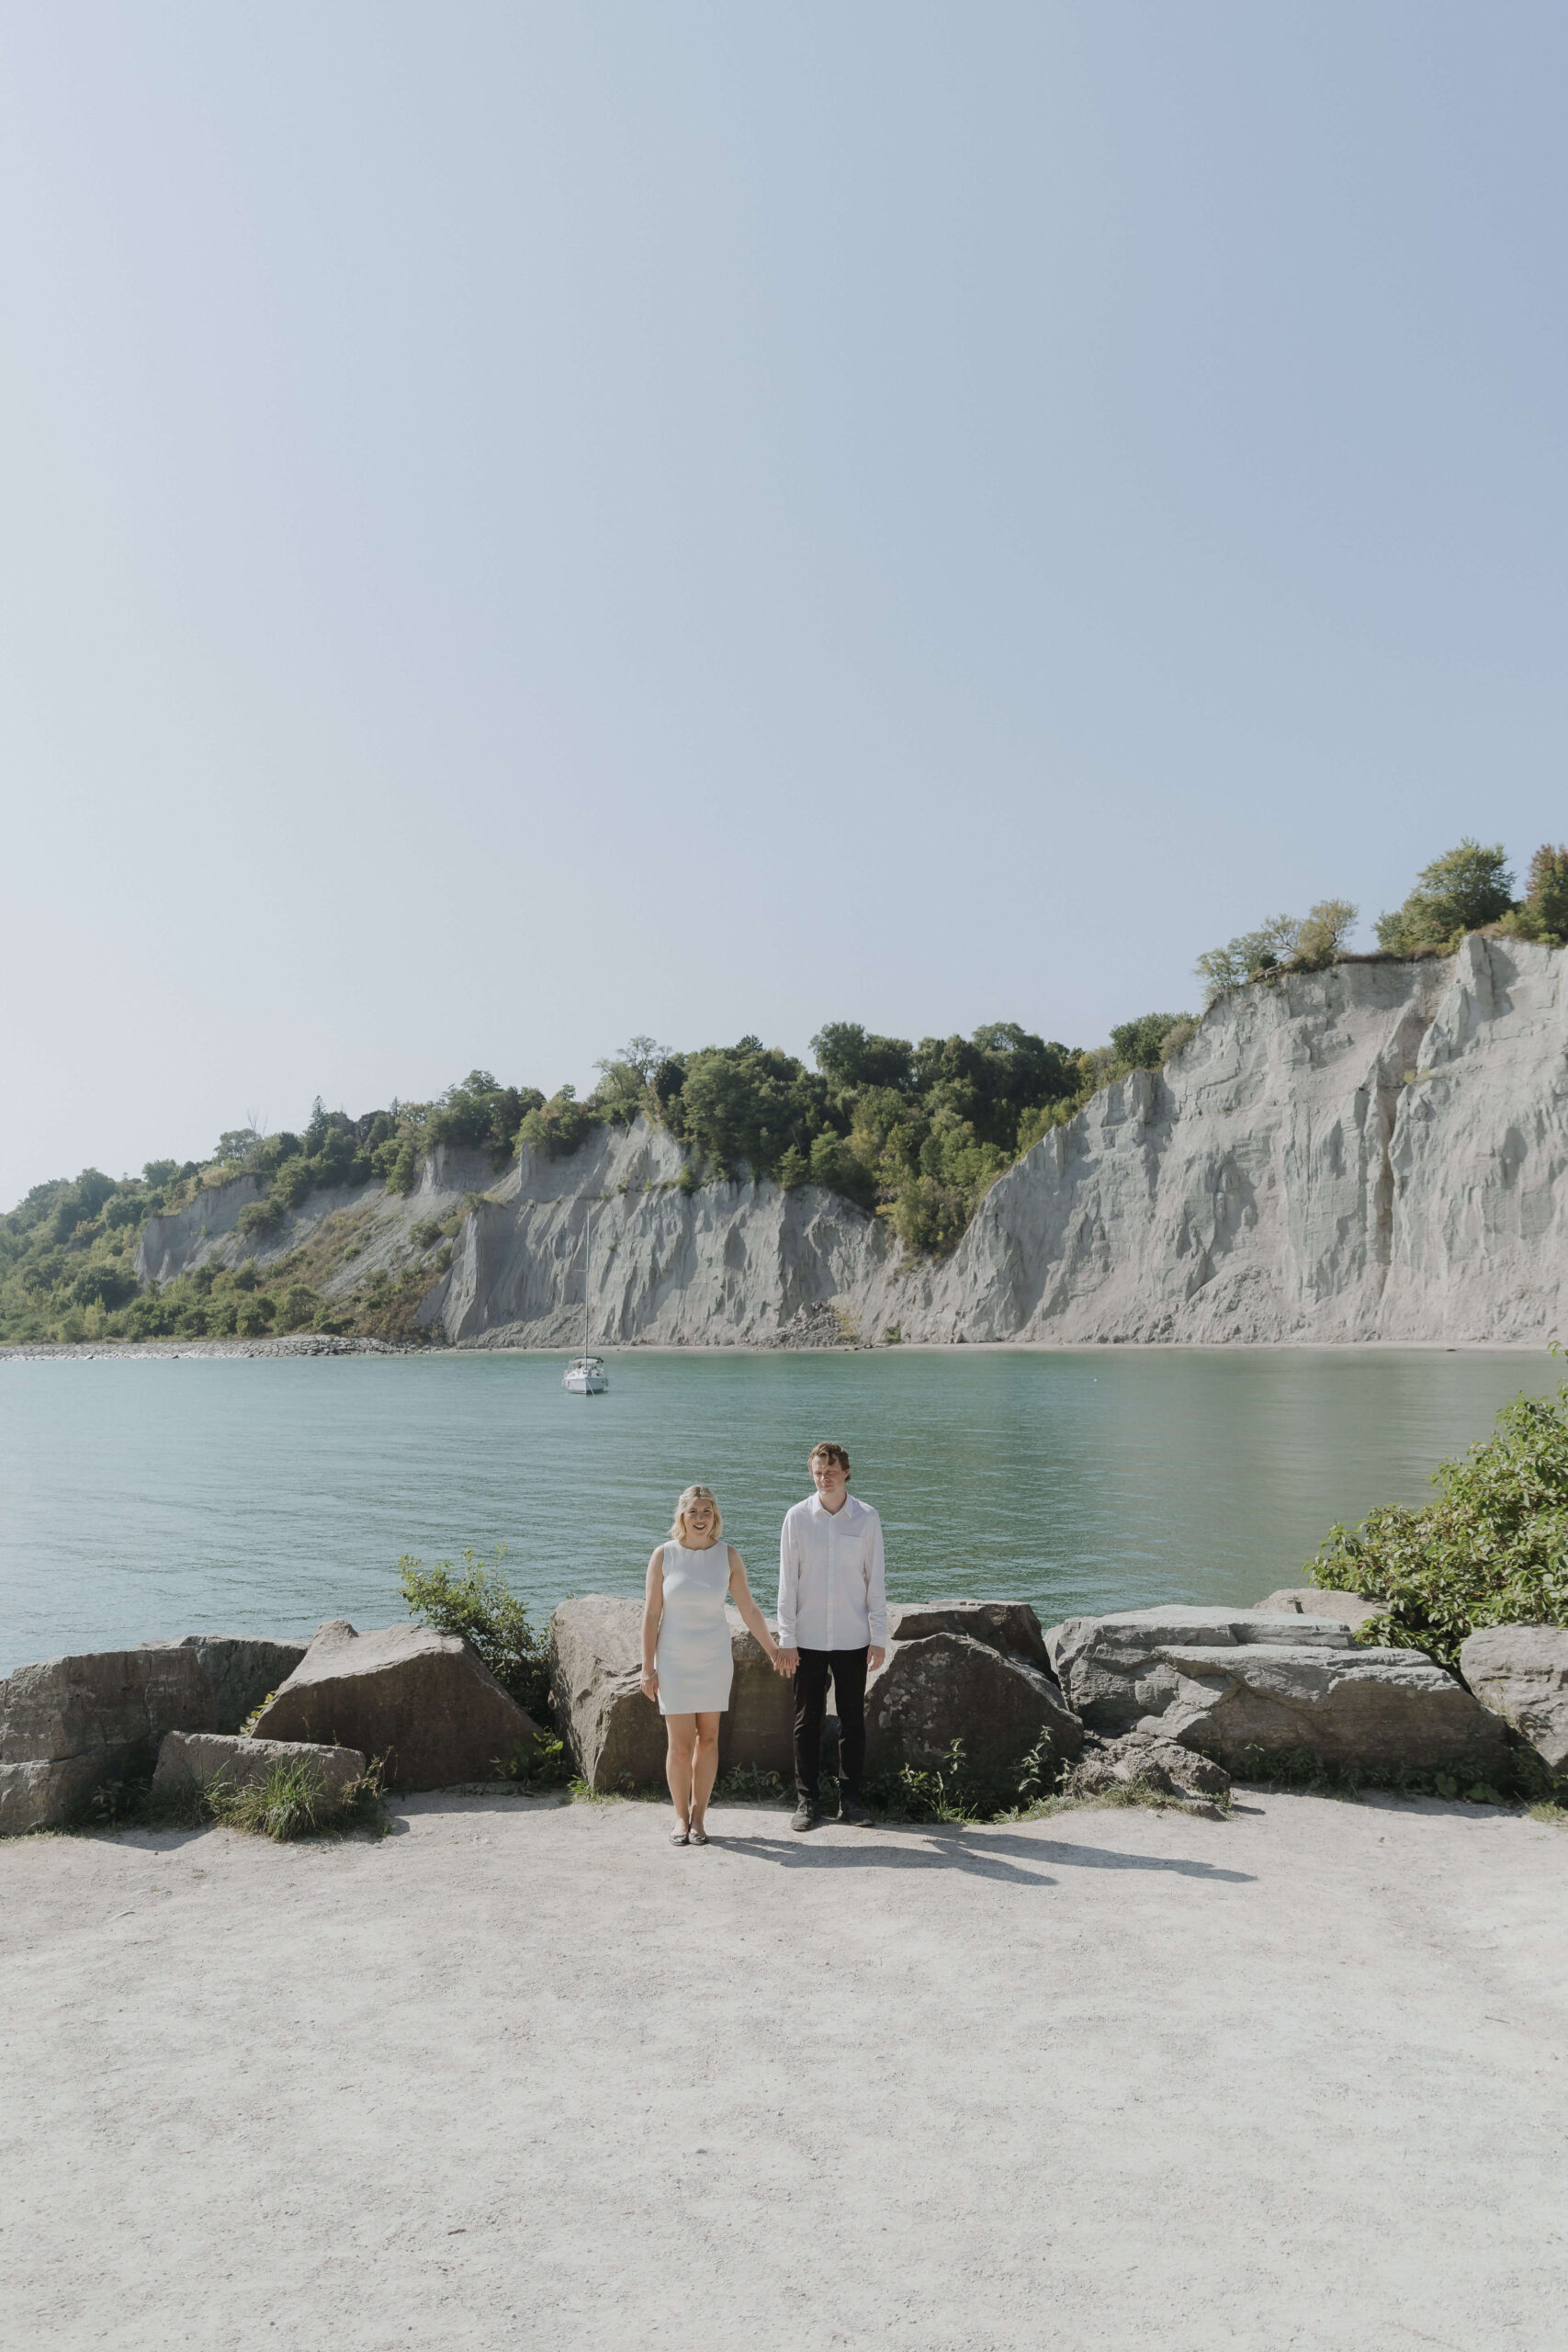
(832, 1621)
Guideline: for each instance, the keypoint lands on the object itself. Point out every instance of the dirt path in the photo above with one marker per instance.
(523, 2075)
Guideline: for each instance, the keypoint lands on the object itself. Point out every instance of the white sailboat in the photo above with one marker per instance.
(587, 1376)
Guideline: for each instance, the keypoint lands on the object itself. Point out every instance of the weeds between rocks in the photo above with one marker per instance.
(954, 1791)
(1295, 1771)
(290, 1801)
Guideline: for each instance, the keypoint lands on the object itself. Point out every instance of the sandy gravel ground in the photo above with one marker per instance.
(523, 2075)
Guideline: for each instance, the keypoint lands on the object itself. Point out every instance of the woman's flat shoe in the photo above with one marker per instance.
(679, 1837)
(699, 1837)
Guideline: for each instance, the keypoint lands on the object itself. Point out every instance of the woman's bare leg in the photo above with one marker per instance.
(682, 1738)
(705, 1764)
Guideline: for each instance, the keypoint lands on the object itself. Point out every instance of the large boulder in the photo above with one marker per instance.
(72, 1723)
(1520, 1672)
(1317, 1600)
(422, 1705)
(243, 1668)
(1011, 1626)
(1232, 1682)
(615, 1737)
(206, 1757)
(944, 1686)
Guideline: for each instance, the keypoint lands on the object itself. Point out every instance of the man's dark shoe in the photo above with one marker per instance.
(852, 1809)
(805, 1816)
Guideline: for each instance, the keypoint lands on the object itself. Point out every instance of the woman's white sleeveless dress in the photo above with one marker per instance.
(693, 1657)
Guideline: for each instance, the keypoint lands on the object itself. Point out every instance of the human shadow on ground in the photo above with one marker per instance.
(951, 1850)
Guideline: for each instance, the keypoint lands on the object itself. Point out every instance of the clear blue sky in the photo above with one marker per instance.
(527, 524)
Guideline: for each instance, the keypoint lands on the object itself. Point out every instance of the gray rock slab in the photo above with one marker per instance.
(422, 1704)
(1520, 1672)
(1230, 1681)
(243, 1670)
(70, 1723)
(1109, 1666)
(944, 1686)
(1317, 1601)
(1369, 1708)
(1011, 1626)
(615, 1737)
(206, 1757)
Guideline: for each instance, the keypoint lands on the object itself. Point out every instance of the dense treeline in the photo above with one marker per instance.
(913, 1131)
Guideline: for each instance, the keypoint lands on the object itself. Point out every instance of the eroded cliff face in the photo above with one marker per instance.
(1379, 1151)
(733, 1263)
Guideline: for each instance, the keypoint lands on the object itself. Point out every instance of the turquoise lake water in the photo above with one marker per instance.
(139, 1500)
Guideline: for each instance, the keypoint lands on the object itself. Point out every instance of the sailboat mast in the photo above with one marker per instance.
(587, 1266)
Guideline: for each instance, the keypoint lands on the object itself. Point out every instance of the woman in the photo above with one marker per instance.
(686, 1660)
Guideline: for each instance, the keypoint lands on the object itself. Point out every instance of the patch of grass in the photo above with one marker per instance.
(1295, 1771)
(1552, 1809)
(290, 1801)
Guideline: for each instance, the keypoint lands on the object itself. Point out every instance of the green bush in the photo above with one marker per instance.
(1459, 891)
(557, 1126)
(1543, 916)
(476, 1601)
(1493, 1549)
(1141, 1043)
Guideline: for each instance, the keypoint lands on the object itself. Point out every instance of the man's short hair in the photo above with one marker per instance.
(829, 1451)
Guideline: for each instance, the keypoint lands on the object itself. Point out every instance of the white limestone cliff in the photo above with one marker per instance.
(1379, 1151)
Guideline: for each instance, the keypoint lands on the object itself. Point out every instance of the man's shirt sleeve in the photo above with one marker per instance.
(875, 1584)
(789, 1582)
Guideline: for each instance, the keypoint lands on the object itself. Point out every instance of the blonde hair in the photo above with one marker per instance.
(696, 1495)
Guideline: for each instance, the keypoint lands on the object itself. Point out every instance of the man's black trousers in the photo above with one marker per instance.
(848, 1670)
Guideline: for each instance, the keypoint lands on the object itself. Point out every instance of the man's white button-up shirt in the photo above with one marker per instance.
(831, 1594)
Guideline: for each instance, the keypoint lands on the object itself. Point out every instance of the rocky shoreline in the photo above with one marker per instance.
(303, 1343)
(1178, 1698)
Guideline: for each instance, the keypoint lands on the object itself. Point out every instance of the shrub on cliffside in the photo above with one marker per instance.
(1544, 914)
(1285, 942)
(1493, 1549)
(1459, 891)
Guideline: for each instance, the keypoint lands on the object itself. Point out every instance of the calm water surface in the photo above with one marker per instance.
(148, 1499)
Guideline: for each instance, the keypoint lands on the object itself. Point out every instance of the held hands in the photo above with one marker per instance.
(786, 1662)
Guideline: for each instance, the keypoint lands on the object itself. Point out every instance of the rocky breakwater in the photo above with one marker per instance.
(1376, 1151)
(69, 1726)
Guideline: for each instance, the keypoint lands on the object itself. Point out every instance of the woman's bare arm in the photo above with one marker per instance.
(751, 1615)
(652, 1613)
